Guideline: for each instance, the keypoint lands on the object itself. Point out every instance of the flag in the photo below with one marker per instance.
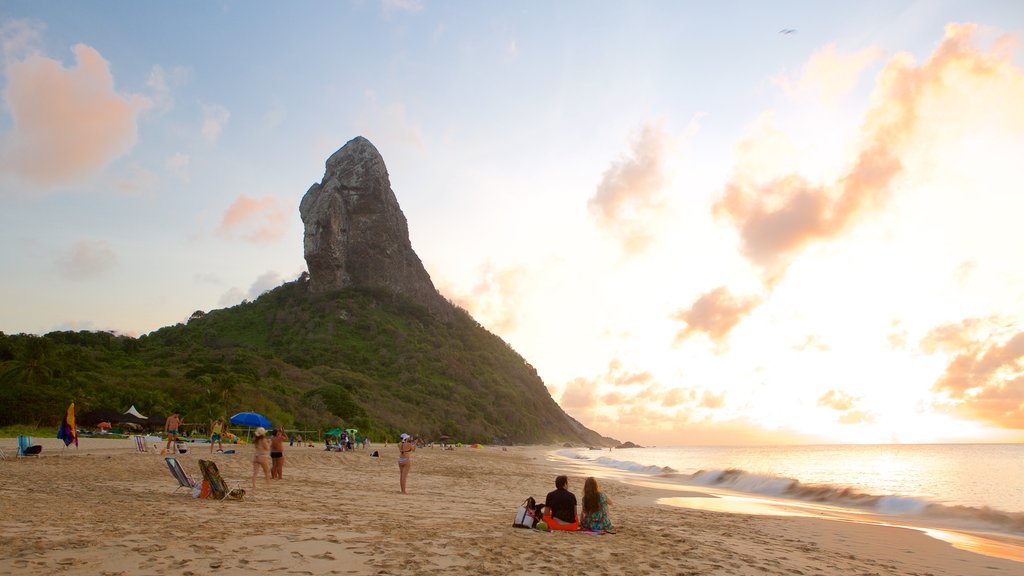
(67, 431)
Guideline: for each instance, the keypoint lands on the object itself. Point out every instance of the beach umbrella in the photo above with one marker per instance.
(252, 419)
(67, 430)
(333, 432)
(103, 425)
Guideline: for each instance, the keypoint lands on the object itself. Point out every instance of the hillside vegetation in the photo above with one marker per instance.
(363, 358)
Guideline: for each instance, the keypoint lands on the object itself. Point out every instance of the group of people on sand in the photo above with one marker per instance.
(560, 507)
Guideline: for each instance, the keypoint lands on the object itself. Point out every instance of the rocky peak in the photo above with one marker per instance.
(356, 233)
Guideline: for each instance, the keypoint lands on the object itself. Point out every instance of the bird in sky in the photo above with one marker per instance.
(787, 31)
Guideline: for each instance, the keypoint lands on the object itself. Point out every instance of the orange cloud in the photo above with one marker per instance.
(836, 400)
(714, 313)
(67, 123)
(87, 259)
(579, 395)
(985, 378)
(629, 194)
(496, 299)
(830, 74)
(778, 216)
(255, 219)
(709, 400)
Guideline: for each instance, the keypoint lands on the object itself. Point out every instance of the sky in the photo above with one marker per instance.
(701, 222)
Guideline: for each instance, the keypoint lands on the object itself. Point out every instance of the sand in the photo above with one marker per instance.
(106, 509)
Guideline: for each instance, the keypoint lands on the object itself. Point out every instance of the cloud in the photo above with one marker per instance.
(177, 164)
(231, 297)
(856, 417)
(779, 215)
(388, 121)
(579, 395)
(255, 219)
(984, 380)
(713, 401)
(812, 342)
(496, 299)
(836, 400)
(512, 49)
(266, 281)
(714, 314)
(676, 396)
(215, 117)
(68, 123)
(19, 38)
(829, 74)
(86, 259)
(629, 195)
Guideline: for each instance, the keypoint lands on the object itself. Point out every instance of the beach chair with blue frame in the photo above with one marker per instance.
(184, 480)
(26, 448)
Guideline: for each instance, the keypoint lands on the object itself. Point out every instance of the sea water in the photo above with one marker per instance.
(979, 485)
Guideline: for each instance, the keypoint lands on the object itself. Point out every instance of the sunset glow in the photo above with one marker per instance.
(698, 230)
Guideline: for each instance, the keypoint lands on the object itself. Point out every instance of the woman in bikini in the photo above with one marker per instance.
(260, 459)
(405, 449)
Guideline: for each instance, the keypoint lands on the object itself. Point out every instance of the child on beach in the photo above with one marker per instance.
(595, 508)
(261, 446)
(216, 429)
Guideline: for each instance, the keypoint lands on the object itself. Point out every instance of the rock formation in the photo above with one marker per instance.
(356, 234)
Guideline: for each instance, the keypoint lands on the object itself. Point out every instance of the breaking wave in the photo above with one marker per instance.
(982, 518)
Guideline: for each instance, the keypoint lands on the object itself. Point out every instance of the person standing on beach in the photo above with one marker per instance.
(405, 449)
(560, 502)
(277, 454)
(595, 508)
(171, 426)
(261, 446)
(216, 430)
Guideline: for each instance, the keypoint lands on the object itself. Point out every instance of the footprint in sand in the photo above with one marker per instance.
(324, 556)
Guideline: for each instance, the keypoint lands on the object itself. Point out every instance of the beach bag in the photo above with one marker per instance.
(526, 515)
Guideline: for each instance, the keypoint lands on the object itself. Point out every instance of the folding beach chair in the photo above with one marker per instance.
(220, 489)
(25, 447)
(184, 480)
(140, 443)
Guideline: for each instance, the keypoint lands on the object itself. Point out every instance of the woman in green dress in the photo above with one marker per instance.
(595, 508)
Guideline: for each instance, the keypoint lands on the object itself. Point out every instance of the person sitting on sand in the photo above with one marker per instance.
(595, 508)
(277, 454)
(261, 447)
(560, 506)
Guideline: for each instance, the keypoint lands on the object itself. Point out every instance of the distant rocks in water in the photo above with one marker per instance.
(356, 234)
(629, 445)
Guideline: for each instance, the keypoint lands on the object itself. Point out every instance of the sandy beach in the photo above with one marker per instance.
(105, 509)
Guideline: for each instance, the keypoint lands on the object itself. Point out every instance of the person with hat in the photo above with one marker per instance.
(406, 446)
(260, 459)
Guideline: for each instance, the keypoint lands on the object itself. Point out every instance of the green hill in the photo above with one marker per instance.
(361, 357)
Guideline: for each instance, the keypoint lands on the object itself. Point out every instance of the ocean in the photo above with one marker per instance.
(976, 486)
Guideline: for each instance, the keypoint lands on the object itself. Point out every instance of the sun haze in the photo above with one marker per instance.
(698, 229)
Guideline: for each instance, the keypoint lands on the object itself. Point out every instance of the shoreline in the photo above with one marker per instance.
(107, 509)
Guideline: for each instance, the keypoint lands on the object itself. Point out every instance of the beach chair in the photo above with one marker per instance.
(26, 448)
(184, 480)
(140, 443)
(220, 489)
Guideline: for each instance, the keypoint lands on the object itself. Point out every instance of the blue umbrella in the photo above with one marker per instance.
(253, 419)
